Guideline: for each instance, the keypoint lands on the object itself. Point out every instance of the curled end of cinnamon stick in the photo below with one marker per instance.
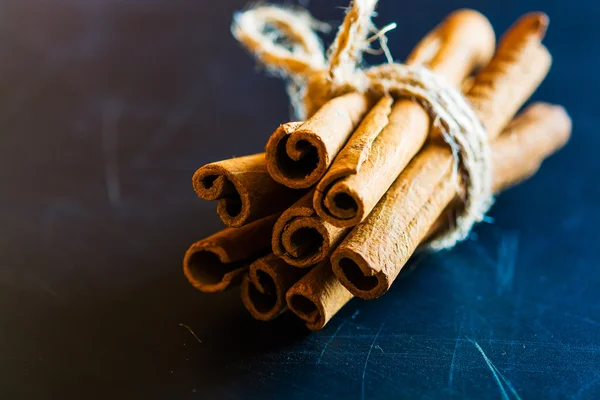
(301, 237)
(213, 182)
(355, 273)
(305, 308)
(519, 66)
(538, 22)
(539, 131)
(244, 189)
(529, 27)
(265, 286)
(317, 297)
(299, 154)
(305, 242)
(459, 26)
(296, 158)
(209, 269)
(556, 116)
(337, 199)
(339, 204)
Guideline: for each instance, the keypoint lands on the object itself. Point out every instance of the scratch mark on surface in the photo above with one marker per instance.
(497, 375)
(330, 340)
(364, 373)
(549, 334)
(481, 252)
(584, 319)
(110, 144)
(456, 343)
(191, 331)
(507, 260)
(297, 387)
(49, 218)
(378, 347)
(586, 387)
(44, 287)
(176, 120)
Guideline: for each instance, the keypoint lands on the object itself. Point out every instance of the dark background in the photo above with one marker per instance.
(106, 110)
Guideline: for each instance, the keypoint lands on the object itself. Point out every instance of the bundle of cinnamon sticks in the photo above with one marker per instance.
(338, 203)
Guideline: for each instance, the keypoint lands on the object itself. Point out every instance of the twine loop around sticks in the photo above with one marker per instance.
(286, 42)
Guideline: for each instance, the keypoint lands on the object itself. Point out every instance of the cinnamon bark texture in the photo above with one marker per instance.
(372, 255)
(245, 190)
(299, 156)
(302, 238)
(318, 296)
(517, 154)
(390, 135)
(265, 286)
(219, 261)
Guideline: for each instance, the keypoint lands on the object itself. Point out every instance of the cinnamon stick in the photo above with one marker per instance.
(265, 286)
(517, 154)
(318, 296)
(302, 238)
(372, 254)
(219, 261)
(299, 155)
(390, 136)
(245, 190)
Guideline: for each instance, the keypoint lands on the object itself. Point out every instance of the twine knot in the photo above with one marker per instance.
(286, 42)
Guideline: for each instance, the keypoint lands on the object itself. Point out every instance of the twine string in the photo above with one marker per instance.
(286, 42)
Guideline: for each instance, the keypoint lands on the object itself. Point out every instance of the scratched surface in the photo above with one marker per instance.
(106, 110)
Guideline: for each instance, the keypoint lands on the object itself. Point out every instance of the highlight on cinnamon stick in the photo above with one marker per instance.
(391, 134)
(302, 238)
(219, 261)
(299, 156)
(318, 296)
(245, 190)
(265, 286)
(372, 254)
(517, 154)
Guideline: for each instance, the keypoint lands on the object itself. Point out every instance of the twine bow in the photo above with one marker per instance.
(286, 42)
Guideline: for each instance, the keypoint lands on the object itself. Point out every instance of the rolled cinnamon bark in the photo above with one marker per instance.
(389, 136)
(371, 256)
(265, 286)
(302, 238)
(318, 296)
(299, 155)
(245, 190)
(219, 261)
(517, 154)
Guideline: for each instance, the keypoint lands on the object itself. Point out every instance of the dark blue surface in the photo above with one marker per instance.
(106, 110)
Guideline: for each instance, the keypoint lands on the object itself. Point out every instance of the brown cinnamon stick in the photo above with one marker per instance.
(219, 261)
(245, 190)
(299, 156)
(517, 154)
(302, 238)
(372, 254)
(318, 296)
(390, 136)
(265, 286)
